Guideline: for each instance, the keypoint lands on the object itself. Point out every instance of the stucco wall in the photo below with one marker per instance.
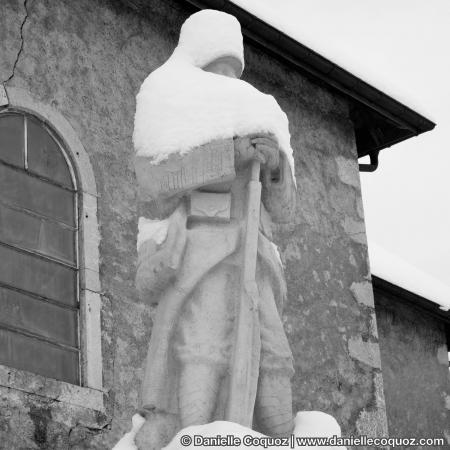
(415, 369)
(87, 59)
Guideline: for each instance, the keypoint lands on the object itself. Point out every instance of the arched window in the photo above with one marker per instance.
(39, 266)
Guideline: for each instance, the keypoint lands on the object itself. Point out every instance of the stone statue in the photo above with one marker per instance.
(218, 350)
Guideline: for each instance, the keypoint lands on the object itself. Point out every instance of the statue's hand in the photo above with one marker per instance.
(262, 147)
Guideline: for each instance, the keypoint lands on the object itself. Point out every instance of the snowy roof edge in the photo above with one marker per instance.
(393, 274)
(380, 120)
(405, 295)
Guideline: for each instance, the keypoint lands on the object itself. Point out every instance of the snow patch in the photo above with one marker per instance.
(316, 424)
(127, 442)
(307, 424)
(180, 106)
(397, 271)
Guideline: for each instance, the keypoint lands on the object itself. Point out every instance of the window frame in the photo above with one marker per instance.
(89, 394)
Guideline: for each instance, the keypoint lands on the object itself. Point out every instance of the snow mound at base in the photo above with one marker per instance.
(307, 424)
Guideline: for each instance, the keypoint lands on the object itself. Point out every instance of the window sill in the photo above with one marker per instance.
(61, 391)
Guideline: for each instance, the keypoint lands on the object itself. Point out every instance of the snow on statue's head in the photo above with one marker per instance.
(209, 35)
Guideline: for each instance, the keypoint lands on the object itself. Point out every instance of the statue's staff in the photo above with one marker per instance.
(245, 363)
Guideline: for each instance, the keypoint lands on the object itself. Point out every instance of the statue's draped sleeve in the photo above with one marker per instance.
(279, 192)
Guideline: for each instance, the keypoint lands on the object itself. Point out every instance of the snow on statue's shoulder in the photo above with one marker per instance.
(180, 107)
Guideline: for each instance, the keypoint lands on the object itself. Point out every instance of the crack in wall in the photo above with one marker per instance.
(21, 43)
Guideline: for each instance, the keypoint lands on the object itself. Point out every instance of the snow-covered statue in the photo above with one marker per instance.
(215, 169)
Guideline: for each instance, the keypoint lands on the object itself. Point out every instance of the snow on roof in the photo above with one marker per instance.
(397, 271)
(305, 30)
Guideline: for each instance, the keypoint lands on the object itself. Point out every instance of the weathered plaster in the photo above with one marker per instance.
(51, 389)
(372, 421)
(3, 96)
(11, 51)
(442, 354)
(346, 171)
(447, 400)
(366, 352)
(415, 369)
(363, 293)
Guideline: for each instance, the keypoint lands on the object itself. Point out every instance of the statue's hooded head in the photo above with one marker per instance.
(208, 36)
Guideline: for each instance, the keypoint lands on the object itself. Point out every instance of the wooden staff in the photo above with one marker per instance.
(245, 364)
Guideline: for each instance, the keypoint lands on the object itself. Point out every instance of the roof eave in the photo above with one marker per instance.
(410, 298)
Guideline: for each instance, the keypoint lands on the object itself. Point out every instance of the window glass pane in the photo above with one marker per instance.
(38, 234)
(18, 188)
(45, 158)
(26, 353)
(12, 139)
(39, 317)
(42, 277)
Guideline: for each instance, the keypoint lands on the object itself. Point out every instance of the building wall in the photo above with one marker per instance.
(414, 358)
(87, 59)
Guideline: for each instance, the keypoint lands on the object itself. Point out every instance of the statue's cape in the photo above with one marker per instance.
(180, 106)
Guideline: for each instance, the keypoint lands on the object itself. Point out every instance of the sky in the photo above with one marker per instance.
(403, 48)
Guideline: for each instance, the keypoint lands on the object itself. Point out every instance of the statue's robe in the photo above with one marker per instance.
(194, 323)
